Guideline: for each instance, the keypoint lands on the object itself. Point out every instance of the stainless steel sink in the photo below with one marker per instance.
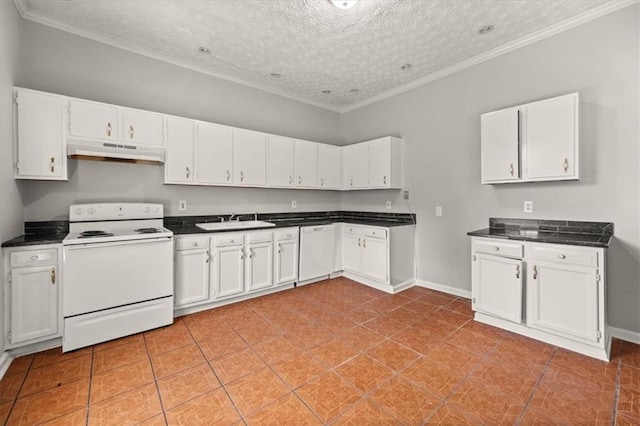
(234, 224)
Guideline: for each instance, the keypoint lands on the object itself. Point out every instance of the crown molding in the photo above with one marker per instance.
(568, 24)
(25, 13)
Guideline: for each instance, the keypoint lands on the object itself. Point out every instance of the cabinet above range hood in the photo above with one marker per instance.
(115, 152)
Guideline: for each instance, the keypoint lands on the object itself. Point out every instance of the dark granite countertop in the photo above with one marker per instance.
(589, 234)
(35, 239)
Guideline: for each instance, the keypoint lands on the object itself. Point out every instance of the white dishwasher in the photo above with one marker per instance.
(317, 245)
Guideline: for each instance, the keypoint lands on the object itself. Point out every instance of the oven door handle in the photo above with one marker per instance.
(116, 243)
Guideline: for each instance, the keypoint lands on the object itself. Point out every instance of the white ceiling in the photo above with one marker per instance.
(314, 45)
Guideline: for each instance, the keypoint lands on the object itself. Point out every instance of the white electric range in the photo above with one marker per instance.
(118, 266)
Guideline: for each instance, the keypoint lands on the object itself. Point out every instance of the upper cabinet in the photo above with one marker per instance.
(373, 164)
(179, 163)
(142, 127)
(91, 120)
(280, 159)
(532, 142)
(214, 154)
(40, 145)
(306, 164)
(329, 166)
(249, 158)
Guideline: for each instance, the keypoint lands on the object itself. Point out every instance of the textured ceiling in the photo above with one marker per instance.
(312, 44)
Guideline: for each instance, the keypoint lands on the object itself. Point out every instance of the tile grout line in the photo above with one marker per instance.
(15, 399)
(155, 379)
(617, 390)
(533, 391)
(93, 351)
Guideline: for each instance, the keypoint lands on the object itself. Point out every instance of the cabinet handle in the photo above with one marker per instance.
(299, 180)
(562, 256)
(364, 243)
(53, 164)
(321, 181)
(511, 170)
(290, 180)
(188, 172)
(251, 253)
(384, 180)
(565, 165)
(535, 272)
(53, 276)
(496, 248)
(241, 176)
(131, 131)
(208, 257)
(517, 271)
(241, 254)
(359, 243)
(34, 257)
(109, 129)
(279, 248)
(351, 181)
(228, 175)
(474, 257)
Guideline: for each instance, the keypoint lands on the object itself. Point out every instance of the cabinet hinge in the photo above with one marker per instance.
(597, 276)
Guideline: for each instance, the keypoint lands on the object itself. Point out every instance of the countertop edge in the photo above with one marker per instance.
(603, 242)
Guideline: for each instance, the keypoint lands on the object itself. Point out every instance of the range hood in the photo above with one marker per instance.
(123, 153)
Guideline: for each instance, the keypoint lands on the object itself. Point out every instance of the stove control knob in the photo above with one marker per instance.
(79, 211)
(91, 210)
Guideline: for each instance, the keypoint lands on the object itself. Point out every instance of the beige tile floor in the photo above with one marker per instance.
(334, 352)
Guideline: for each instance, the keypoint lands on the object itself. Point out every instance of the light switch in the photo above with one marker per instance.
(438, 210)
(528, 207)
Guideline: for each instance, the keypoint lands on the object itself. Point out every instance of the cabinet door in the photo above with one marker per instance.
(497, 286)
(91, 120)
(179, 163)
(280, 160)
(259, 263)
(306, 164)
(214, 158)
(563, 300)
(286, 262)
(551, 138)
(375, 258)
(329, 166)
(228, 271)
(355, 166)
(40, 151)
(352, 253)
(380, 163)
(500, 146)
(142, 127)
(249, 158)
(191, 277)
(34, 303)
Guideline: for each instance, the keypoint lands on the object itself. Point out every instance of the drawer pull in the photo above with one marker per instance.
(562, 256)
(34, 257)
(496, 248)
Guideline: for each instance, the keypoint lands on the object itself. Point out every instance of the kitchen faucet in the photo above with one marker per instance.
(232, 216)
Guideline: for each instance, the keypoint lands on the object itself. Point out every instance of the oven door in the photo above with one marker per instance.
(106, 275)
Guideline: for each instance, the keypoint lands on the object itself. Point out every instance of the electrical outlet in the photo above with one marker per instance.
(182, 205)
(528, 207)
(388, 204)
(294, 204)
(438, 210)
(406, 195)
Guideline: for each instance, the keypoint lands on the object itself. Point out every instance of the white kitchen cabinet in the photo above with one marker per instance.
(259, 260)
(375, 259)
(228, 270)
(355, 166)
(497, 279)
(533, 142)
(40, 139)
(191, 271)
(306, 164)
(33, 303)
(500, 149)
(385, 163)
(352, 248)
(180, 154)
(286, 255)
(551, 139)
(329, 166)
(280, 159)
(93, 120)
(214, 154)
(249, 158)
(564, 291)
(142, 127)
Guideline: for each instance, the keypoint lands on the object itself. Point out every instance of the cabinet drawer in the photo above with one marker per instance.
(228, 240)
(286, 234)
(34, 257)
(375, 233)
(192, 243)
(355, 230)
(259, 237)
(564, 254)
(499, 247)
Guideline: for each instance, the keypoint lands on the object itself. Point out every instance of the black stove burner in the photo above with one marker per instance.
(147, 230)
(89, 234)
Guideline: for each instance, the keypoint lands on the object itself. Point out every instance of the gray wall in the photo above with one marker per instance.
(59, 62)
(10, 204)
(440, 125)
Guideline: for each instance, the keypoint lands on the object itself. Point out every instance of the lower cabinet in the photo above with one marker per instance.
(192, 258)
(286, 255)
(33, 299)
(564, 292)
(227, 266)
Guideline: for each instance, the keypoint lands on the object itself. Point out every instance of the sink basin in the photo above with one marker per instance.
(234, 224)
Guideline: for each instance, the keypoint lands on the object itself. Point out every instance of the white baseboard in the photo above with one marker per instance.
(5, 362)
(444, 288)
(626, 335)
